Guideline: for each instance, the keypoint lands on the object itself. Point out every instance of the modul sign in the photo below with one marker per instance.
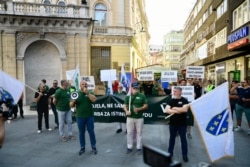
(239, 34)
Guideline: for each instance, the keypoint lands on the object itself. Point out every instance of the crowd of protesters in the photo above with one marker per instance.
(60, 101)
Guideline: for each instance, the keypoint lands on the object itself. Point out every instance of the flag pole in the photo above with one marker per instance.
(129, 106)
(169, 116)
(31, 88)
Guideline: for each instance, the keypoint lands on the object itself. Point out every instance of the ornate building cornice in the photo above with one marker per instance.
(54, 24)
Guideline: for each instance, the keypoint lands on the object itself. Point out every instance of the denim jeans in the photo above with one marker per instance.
(53, 107)
(133, 124)
(239, 111)
(62, 117)
(82, 123)
(182, 132)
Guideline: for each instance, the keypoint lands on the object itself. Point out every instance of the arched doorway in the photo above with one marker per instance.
(41, 61)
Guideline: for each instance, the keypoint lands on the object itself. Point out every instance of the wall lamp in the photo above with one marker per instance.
(139, 27)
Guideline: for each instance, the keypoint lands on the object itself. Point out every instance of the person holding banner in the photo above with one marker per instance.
(134, 105)
(42, 99)
(62, 100)
(120, 92)
(178, 107)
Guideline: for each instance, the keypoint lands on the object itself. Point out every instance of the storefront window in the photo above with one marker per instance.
(221, 73)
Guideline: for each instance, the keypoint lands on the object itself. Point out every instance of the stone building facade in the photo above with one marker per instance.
(216, 36)
(172, 48)
(45, 38)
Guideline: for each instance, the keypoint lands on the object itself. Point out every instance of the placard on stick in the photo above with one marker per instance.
(146, 75)
(169, 76)
(195, 72)
(89, 80)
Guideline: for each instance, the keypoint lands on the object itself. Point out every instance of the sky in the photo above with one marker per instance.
(166, 15)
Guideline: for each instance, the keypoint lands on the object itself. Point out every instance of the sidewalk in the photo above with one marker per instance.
(23, 147)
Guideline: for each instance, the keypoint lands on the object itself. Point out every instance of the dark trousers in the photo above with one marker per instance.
(232, 106)
(20, 105)
(40, 113)
(182, 132)
(82, 124)
(53, 107)
(14, 111)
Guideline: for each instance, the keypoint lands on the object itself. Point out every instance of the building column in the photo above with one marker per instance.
(84, 52)
(20, 69)
(8, 52)
(71, 58)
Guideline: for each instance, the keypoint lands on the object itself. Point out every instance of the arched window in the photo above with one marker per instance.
(47, 2)
(61, 8)
(62, 3)
(47, 8)
(100, 14)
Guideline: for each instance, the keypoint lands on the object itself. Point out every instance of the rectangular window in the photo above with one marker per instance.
(241, 15)
(221, 38)
(222, 8)
(244, 12)
(235, 20)
(100, 60)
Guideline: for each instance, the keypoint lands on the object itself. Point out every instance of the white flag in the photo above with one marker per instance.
(75, 78)
(214, 119)
(10, 88)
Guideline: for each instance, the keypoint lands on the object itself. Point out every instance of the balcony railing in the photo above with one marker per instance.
(33, 9)
(105, 30)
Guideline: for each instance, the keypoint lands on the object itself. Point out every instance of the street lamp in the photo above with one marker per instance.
(139, 26)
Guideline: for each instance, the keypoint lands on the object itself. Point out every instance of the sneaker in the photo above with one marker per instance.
(39, 131)
(49, 129)
(185, 158)
(82, 151)
(237, 128)
(94, 150)
(248, 132)
(64, 139)
(71, 137)
(139, 152)
(128, 150)
(56, 127)
(118, 130)
(189, 136)
(22, 116)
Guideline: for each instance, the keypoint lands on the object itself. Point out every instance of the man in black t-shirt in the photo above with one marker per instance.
(42, 99)
(52, 92)
(178, 107)
(147, 87)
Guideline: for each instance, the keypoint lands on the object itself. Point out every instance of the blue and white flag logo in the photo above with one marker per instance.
(5, 96)
(219, 123)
